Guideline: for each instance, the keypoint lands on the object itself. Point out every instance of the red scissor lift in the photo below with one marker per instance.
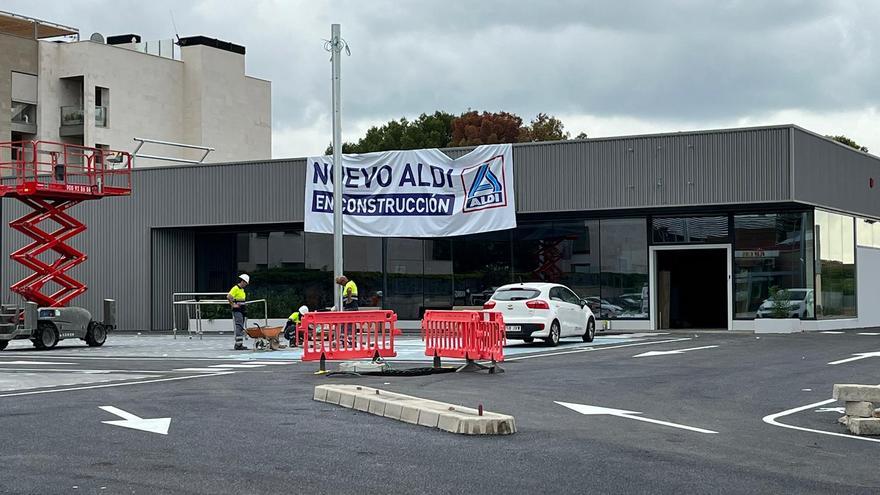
(50, 179)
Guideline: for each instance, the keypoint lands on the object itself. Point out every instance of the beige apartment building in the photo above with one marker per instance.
(105, 91)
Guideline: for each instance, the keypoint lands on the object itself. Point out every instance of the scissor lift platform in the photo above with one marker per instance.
(51, 178)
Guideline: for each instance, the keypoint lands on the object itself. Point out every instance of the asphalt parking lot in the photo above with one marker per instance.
(683, 413)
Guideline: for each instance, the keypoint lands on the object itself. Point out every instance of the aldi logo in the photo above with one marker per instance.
(484, 185)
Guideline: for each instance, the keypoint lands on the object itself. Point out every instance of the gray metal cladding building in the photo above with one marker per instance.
(680, 230)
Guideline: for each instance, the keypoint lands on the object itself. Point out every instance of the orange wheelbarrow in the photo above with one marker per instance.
(266, 338)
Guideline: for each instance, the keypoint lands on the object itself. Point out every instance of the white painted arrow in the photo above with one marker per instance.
(158, 425)
(839, 410)
(861, 355)
(677, 351)
(621, 413)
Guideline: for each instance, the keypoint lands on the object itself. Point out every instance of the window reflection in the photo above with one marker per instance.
(773, 252)
(559, 252)
(624, 252)
(481, 264)
(603, 262)
(868, 232)
(405, 265)
(835, 266)
(689, 230)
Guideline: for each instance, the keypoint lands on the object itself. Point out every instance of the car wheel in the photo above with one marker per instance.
(590, 333)
(96, 335)
(47, 337)
(553, 339)
(3, 344)
(528, 340)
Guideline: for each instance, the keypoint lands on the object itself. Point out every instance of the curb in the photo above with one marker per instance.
(413, 410)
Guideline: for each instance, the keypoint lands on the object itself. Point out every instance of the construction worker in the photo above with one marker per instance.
(292, 323)
(236, 298)
(349, 293)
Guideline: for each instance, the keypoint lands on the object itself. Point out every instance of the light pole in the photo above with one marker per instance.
(335, 47)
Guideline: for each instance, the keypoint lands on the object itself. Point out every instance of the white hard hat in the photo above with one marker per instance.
(245, 277)
(303, 310)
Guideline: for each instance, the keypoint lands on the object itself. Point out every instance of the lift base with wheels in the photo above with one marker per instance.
(50, 179)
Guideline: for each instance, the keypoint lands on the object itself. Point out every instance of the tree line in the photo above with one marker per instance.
(471, 128)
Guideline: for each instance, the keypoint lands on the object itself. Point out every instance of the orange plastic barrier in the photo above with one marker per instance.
(472, 335)
(340, 335)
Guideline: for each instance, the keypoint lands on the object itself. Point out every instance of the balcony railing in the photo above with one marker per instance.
(74, 115)
(24, 113)
(100, 116)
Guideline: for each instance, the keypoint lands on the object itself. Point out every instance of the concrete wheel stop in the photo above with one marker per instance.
(417, 411)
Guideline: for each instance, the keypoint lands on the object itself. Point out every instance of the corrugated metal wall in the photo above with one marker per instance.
(835, 176)
(744, 166)
(120, 246)
(173, 270)
(140, 266)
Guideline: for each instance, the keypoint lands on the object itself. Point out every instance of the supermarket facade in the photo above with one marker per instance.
(668, 231)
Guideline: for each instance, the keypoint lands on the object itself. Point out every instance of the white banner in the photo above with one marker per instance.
(418, 193)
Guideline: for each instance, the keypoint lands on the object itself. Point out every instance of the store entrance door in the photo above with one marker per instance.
(692, 287)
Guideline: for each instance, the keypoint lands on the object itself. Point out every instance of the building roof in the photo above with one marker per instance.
(671, 173)
(213, 43)
(29, 27)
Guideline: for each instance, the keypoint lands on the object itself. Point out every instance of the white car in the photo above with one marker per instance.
(543, 311)
(799, 304)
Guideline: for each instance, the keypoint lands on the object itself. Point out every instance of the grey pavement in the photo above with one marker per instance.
(256, 430)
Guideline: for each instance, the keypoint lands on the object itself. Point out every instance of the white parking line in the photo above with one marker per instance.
(73, 371)
(128, 358)
(202, 370)
(34, 362)
(873, 334)
(108, 385)
(833, 333)
(236, 366)
(272, 362)
(591, 349)
(771, 420)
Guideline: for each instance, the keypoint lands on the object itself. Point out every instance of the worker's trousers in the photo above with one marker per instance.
(238, 320)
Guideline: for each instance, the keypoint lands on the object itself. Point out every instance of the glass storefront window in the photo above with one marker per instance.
(603, 262)
(835, 266)
(363, 264)
(773, 252)
(565, 252)
(868, 232)
(481, 264)
(689, 230)
(405, 265)
(419, 276)
(438, 274)
(624, 254)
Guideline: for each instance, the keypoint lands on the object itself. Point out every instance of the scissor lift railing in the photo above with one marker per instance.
(51, 178)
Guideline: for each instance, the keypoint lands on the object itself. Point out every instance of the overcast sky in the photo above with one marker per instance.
(605, 67)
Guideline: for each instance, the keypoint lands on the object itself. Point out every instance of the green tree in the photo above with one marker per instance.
(849, 142)
(427, 131)
(544, 128)
(471, 128)
(582, 135)
(782, 303)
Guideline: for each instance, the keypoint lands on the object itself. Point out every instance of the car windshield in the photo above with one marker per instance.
(797, 295)
(516, 294)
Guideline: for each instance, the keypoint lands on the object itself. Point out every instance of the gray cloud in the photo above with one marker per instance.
(683, 60)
